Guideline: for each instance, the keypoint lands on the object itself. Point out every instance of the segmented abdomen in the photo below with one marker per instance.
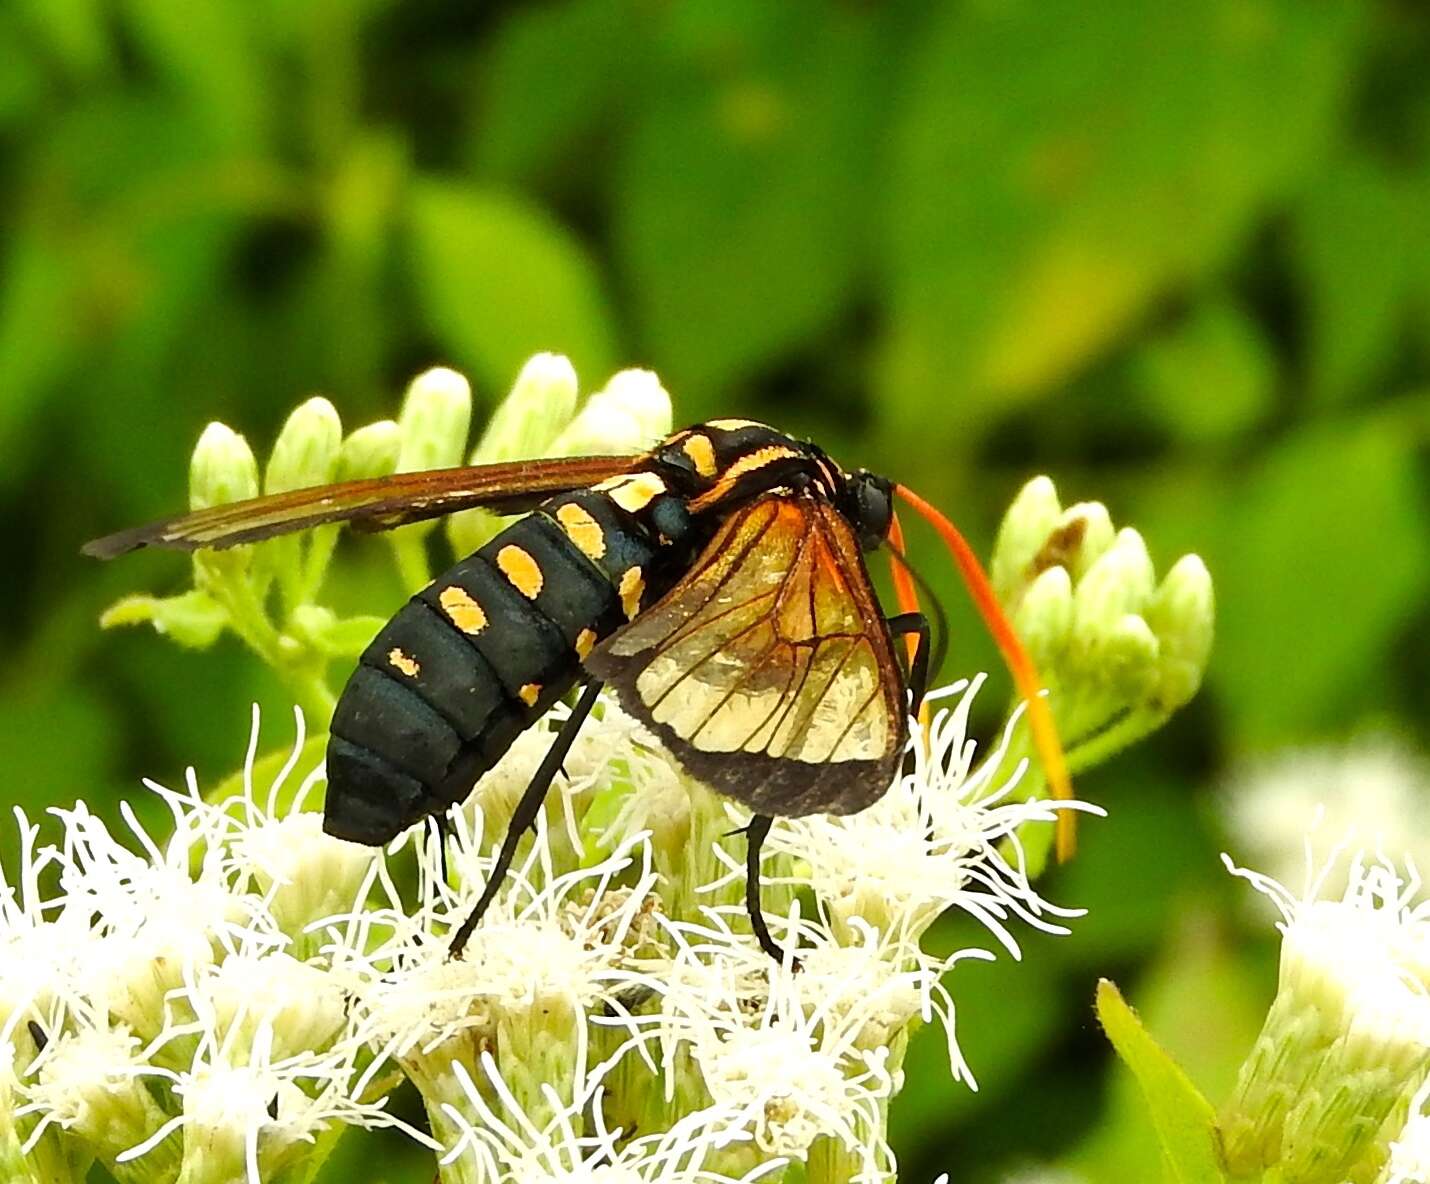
(480, 654)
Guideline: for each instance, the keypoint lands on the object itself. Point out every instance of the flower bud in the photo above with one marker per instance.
(1182, 614)
(371, 451)
(1043, 619)
(629, 415)
(1118, 583)
(541, 404)
(640, 394)
(306, 451)
(222, 469)
(436, 414)
(1023, 533)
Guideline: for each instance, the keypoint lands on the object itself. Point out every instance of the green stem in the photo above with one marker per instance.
(410, 552)
(310, 690)
(1109, 742)
(296, 665)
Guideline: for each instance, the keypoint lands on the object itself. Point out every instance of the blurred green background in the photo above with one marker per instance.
(1174, 254)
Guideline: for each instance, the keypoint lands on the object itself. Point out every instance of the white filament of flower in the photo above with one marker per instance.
(507, 1145)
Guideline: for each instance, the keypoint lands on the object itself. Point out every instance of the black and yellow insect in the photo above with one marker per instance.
(716, 584)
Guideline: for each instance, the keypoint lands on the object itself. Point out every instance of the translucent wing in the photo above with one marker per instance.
(378, 503)
(768, 670)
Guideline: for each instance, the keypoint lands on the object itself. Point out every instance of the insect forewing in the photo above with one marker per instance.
(378, 503)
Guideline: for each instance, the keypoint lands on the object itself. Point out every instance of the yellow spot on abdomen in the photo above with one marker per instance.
(632, 585)
(402, 663)
(585, 643)
(530, 693)
(521, 569)
(633, 491)
(462, 610)
(582, 529)
(701, 453)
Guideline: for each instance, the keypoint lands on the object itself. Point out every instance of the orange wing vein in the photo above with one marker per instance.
(768, 670)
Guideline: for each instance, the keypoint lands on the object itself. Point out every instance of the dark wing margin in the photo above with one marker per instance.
(378, 503)
(768, 670)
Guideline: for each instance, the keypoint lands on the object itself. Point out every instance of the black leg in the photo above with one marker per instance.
(526, 811)
(918, 670)
(440, 830)
(755, 834)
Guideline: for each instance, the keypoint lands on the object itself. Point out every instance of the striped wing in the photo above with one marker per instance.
(378, 503)
(768, 670)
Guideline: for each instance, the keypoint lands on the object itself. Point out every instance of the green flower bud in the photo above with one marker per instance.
(222, 469)
(1044, 616)
(1037, 535)
(1119, 582)
(1182, 614)
(434, 420)
(371, 451)
(304, 455)
(640, 394)
(541, 404)
(436, 414)
(1090, 525)
(1127, 659)
(629, 415)
(1025, 529)
(306, 451)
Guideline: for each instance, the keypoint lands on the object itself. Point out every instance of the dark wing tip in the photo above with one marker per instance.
(111, 546)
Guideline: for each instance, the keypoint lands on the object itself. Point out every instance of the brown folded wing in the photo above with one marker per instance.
(378, 503)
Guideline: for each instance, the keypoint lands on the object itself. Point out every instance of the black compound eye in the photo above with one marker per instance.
(871, 507)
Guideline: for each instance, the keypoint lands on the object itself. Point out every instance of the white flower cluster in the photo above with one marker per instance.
(222, 1005)
(172, 1010)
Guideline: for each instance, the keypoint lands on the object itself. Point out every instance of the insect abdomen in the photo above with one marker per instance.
(473, 659)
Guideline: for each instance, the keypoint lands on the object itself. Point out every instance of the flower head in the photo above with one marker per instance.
(1347, 1038)
(944, 836)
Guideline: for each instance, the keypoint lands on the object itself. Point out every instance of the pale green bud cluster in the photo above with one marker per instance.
(271, 595)
(1118, 649)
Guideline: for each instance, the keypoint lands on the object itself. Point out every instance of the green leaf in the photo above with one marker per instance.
(1354, 240)
(527, 124)
(1211, 377)
(1185, 1122)
(1322, 558)
(742, 194)
(501, 281)
(1059, 166)
(71, 31)
(211, 53)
